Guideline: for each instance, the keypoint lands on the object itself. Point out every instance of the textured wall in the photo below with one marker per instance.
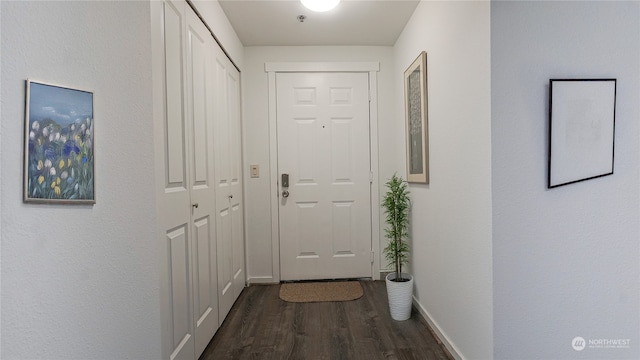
(81, 282)
(565, 259)
(451, 217)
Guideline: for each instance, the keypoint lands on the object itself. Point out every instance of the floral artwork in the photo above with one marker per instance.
(59, 145)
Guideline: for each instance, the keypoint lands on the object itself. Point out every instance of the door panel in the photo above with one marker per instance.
(237, 233)
(174, 215)
(343, 245)
(222, 176)
(235, 180)
(228, 180)
(200, 117)
(174, 125)
(179, 278)
(202, 234)
(323, 144)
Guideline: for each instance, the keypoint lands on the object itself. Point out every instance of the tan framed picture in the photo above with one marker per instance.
(416, 124)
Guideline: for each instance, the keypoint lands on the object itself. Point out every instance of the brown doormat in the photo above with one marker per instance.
(321, 291)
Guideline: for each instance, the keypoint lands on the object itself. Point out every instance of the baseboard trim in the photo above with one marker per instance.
(261, 280)
(435, 329)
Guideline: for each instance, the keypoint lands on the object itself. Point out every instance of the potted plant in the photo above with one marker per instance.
(396, 204)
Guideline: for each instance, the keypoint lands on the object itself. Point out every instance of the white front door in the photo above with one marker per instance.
(323, 146)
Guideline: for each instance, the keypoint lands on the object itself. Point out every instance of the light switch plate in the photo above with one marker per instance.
(255, 171)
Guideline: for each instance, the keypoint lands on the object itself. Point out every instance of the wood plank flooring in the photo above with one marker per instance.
(261, 326)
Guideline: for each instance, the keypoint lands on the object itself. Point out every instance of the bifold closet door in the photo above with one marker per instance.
(228, 175)
(200, 119)
(174, 215)
(185, 168)
(174, 208)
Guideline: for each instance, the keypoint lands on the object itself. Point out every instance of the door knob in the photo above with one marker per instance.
(285, 193)
(195, 205)
(230, 196)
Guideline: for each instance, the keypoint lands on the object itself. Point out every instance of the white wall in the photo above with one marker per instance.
(1, 232)
(81, 282)
(566, 259)
(256, 134)
(451, 217)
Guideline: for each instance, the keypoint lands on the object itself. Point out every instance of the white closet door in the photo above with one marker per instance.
(228, 184)
(200, 79)
(172, 177)
(198, 179)
(235, 181)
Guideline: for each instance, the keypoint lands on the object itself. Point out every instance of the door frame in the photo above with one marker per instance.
(371, 68)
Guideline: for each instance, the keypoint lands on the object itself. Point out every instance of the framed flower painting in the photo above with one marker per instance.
(59, 145)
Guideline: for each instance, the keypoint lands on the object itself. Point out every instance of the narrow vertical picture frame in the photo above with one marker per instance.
(581, 130)
(416, 124)
(59, 145)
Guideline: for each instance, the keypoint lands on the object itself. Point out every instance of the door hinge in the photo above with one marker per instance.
(372, 256)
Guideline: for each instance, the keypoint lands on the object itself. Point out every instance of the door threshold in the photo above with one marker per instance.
(326, 280)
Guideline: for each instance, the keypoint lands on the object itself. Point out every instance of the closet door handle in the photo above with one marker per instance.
(195, 205)
(230, 196)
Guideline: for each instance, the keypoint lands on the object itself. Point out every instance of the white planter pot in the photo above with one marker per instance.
(400, 296)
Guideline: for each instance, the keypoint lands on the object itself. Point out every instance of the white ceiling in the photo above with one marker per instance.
(352, 22)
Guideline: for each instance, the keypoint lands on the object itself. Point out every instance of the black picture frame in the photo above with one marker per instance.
(581, 130)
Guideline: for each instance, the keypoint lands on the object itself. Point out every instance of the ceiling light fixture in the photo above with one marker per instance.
(320, 5)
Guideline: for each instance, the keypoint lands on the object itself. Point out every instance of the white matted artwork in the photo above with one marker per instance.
(581, 129)
(417, 134)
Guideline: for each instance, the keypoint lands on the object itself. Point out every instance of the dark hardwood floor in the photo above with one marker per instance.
(261, 326)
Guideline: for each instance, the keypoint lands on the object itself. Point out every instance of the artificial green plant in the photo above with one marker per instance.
(396, 204)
